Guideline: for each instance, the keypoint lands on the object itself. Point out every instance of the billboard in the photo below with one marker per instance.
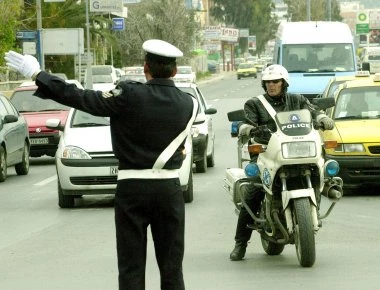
(61, 41)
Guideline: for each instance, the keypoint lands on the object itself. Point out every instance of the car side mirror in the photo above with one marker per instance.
(324, 103)
(238, 115)
(54, 124)
(10, 119)
(210, 111)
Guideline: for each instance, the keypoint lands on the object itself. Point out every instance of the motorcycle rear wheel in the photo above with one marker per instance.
(272, 249)
(303, 232)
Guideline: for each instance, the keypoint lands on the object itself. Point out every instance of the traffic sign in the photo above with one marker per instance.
(362, 28)
(117, 23)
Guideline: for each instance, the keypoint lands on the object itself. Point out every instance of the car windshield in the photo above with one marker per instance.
(191, 91)
(102, 79)
(318, 57)
(134, 77)
(184, 70)
(82, 119)
(246, 65)
(358, 103)
(24, 101)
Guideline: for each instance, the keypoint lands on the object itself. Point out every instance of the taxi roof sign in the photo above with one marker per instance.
(362, 73)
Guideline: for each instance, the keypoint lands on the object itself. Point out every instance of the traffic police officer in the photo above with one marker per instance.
(149, 124)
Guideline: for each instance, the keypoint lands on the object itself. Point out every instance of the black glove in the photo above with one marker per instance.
(260, 131)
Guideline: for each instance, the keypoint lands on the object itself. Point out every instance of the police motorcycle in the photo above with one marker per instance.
(293, 174)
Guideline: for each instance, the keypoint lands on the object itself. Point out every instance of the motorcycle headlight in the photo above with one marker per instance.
(331, 168)
(72, 152)
(299, 149)
(252, 170)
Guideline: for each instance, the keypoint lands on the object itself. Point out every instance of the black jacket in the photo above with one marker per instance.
(145, 118)
(257, 115)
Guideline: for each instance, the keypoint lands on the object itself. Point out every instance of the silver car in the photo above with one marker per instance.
(85, 161)
(202, 130)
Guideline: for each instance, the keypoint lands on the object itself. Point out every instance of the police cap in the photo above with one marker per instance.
(161, 51)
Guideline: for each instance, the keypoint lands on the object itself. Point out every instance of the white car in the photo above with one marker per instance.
(203, 134)
(86, 164)
(185, 74)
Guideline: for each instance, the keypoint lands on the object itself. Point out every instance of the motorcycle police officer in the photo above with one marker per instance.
(149, 124)
(275, 81)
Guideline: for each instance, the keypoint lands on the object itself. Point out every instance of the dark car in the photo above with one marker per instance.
(14, 140)
(44, 141)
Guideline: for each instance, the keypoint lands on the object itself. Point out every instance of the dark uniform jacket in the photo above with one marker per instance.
(257, 115)
(145, 118)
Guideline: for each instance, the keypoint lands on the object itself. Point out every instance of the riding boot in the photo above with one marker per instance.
(242, 236)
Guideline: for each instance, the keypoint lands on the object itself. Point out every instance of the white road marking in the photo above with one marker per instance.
(46, 181)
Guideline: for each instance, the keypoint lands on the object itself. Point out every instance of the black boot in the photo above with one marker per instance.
(238, 252)
(242, 236)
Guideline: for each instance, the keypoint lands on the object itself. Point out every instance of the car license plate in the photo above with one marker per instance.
(113, 170)
(38, 141)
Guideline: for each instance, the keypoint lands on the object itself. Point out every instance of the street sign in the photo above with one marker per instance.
(106, 6)
(26, 35)
(362, 28)
(117, 23)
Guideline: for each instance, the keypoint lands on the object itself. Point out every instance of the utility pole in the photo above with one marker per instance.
(89, 69)
(40, 49)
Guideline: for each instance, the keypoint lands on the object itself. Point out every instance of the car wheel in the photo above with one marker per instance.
(3, 164)
(188, 194)
(210, 158)
(23, 167)
(201, 165)
(64, 201)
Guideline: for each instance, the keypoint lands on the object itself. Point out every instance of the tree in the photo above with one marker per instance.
(252, 14)
(297, 10)
(9, 13)
(168, 20)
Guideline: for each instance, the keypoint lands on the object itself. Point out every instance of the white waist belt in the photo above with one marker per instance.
(148, 174)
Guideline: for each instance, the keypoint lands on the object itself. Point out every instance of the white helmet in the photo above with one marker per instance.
(275, 72)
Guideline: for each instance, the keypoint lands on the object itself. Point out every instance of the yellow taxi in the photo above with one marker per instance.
(357, 131)
(246, 69)
(334, 82)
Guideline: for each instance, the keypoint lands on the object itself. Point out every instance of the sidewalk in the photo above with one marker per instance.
(217, 76)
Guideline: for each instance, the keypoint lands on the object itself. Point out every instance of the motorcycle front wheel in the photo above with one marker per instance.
(303, 232)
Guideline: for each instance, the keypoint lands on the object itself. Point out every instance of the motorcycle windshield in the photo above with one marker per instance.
(295, 123)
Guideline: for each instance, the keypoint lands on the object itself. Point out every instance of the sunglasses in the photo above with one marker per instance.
(273, 81)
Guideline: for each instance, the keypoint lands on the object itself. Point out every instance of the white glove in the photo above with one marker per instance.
(27, 65)
(328, 123)
(245, 129)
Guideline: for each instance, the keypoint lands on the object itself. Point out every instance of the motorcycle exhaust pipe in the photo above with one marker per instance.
(334, 192)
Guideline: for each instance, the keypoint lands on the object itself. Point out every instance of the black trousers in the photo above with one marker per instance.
(253, 198)
(160, 204)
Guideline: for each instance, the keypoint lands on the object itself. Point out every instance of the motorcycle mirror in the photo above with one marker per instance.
(324, 103)
(236, 116)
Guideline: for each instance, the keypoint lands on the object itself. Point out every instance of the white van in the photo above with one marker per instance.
(370, 59)
(313, 52)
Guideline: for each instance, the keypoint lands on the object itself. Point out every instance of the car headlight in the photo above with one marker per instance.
(194, 131)
(299, 149)
(72, 152)
(350, 148)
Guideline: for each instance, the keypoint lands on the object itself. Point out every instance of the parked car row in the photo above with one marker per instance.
(81, 143)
